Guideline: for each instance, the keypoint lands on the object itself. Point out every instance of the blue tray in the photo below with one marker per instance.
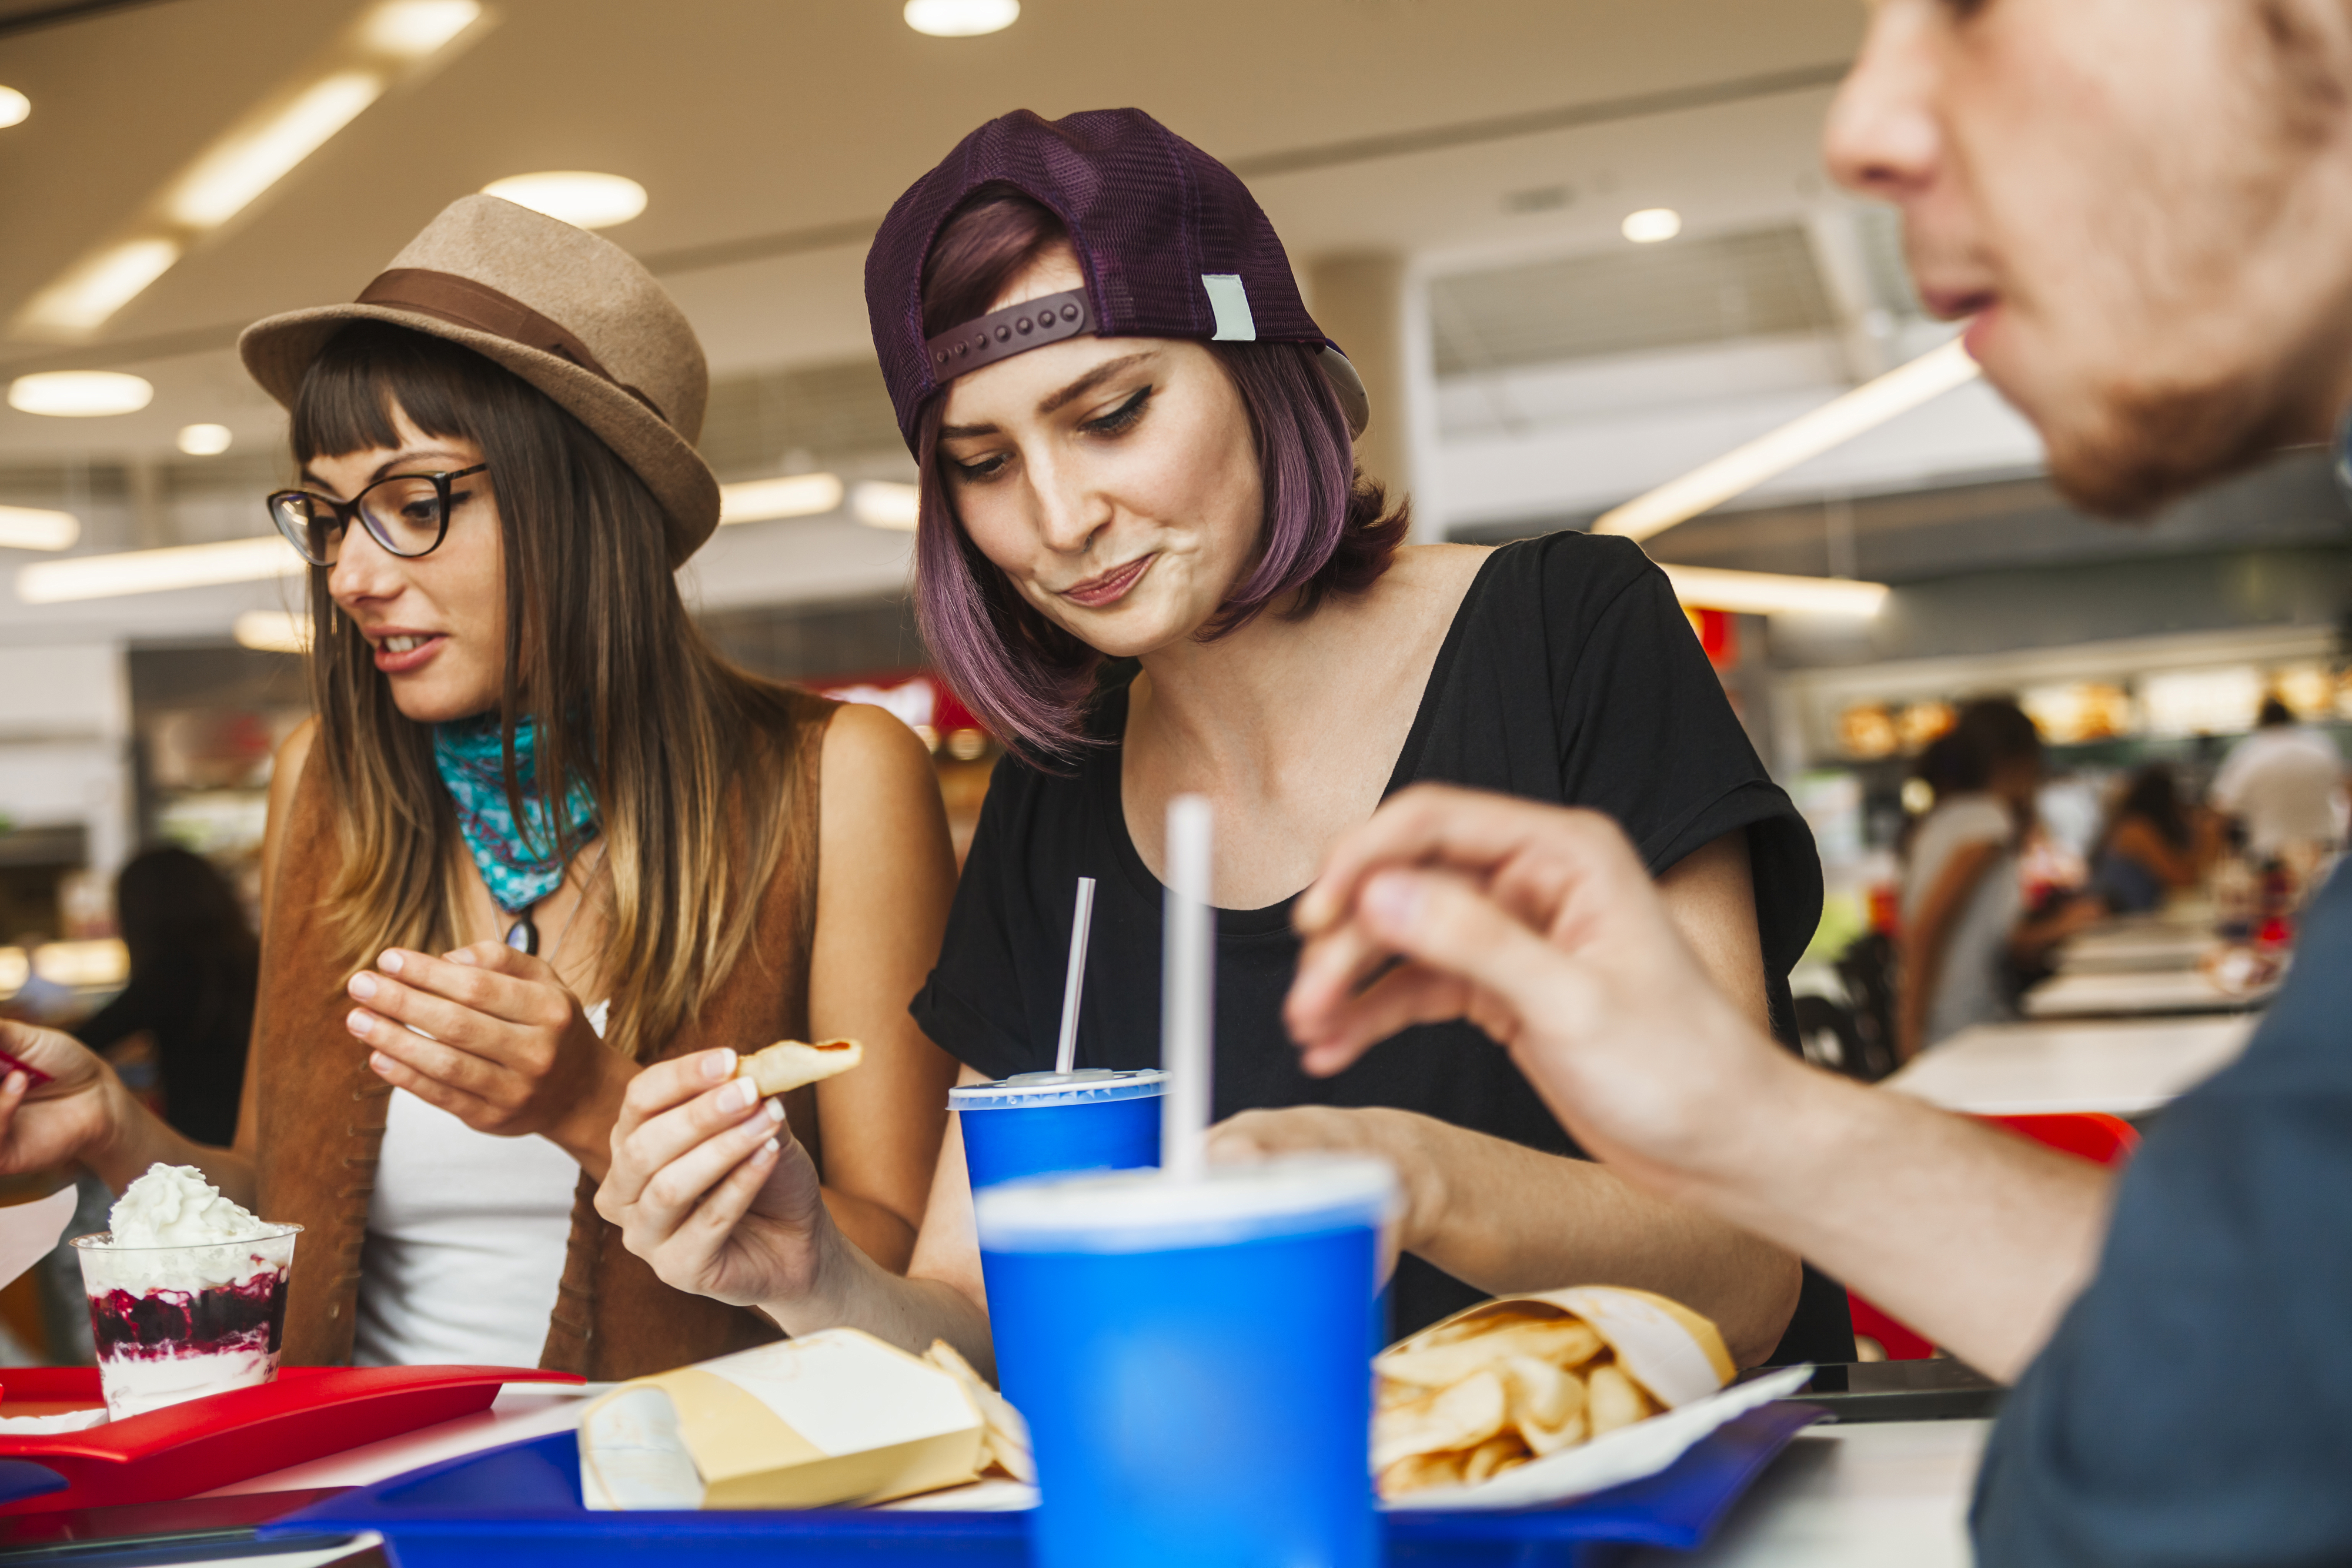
(519, 1506)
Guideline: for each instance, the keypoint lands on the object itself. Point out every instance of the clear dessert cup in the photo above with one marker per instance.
(174, 1324)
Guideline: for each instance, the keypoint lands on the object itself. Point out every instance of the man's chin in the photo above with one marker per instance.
(2150, 450)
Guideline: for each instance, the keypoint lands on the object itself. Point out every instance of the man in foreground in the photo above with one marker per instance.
(2146, 206)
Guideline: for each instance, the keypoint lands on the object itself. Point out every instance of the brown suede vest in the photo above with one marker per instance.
(322, 1110)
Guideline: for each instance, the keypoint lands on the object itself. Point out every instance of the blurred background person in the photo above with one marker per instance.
(194, 963)
(1965, 921)
(2155, 843)
(2283, 783)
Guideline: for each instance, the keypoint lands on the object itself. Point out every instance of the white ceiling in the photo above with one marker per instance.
(1372, 124)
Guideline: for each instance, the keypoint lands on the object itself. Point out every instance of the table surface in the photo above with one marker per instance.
(2131, 949)
(2124, 1068)
(2135, 994)
(1869, 1494)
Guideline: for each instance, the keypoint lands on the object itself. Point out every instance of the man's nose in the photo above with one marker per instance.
(1882, 140)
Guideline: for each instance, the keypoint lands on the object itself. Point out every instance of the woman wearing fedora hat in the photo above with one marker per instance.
(539, 834)
(1145, 557)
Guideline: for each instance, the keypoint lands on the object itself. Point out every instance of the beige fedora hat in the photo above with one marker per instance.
(575, 316)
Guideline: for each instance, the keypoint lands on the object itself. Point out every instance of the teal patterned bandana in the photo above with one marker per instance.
(519, 863)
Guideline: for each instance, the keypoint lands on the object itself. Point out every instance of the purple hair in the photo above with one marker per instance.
(1325, 527)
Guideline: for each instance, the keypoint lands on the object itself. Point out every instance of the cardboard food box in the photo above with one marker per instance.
(835, 1418)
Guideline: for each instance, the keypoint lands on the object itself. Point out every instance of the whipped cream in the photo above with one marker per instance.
(175, 1206)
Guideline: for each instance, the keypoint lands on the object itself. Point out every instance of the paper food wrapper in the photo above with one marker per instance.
(1675, 1353)
(836, 1417)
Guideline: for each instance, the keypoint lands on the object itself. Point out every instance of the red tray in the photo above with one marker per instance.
(183, 1449)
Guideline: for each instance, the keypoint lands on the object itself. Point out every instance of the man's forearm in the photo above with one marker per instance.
(1510, 1218)
(1976, 1238)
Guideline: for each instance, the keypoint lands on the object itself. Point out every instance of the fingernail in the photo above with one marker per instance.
(380, 1062)
(738, 1095)
(15, 1083)
(359, 1023)
(463, 956)
(718, 1064)
(1394, 901)
(775, 1110)
(389, 963)
(768, 1150)
(363, 985)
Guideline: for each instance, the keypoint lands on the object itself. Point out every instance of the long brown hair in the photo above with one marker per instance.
(690, 758)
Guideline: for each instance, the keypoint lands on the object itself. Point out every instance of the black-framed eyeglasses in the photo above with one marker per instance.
(407, 514)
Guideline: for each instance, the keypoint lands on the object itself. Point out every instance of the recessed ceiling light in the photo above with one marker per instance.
(886, 504)
(29, 527)
(961, 18)
(1652, 225)
(798, 495)
(78, 395)
(99, 285)
(14, 107)
(415, 29)
(578, 197)
(205, 440)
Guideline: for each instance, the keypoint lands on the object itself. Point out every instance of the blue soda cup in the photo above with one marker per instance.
(1196, 1379)
(1048, 1124)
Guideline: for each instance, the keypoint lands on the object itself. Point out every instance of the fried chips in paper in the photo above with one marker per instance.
(1523, 1377)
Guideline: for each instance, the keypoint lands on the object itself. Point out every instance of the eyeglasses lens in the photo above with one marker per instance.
(405, 514)
(309, 524)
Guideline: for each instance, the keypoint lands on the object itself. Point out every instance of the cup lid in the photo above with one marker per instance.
(1152, 1211)
(1088, 1083)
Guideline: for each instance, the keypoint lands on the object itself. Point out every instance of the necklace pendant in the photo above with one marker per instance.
(523, 936)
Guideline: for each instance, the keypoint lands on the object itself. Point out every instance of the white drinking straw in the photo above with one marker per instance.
(1187, 989)
(1065, 1053)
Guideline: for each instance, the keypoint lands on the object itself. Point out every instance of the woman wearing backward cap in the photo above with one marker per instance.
(540, 833)
(1145, 559)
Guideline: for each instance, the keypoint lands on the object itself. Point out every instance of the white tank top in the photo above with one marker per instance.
(466, 1240)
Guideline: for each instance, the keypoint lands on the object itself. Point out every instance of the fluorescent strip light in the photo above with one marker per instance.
(413, 29)
(232, 174)
(960, 18)
(759, 500)
(1770, 593)
(886, 504)
(28, 528)
(99, 285)
(157, 570)
(578, 196)
(1833, 423)
(273, 631)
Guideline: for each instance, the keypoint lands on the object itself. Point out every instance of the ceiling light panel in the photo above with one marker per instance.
(386, 44)
(762, 500)
(205, 440)
(273, 631)
(31, 528)
(254, 559)
(228, 177)
(589, 201)
(79, 394)
(961, 18)
(14, 107)
(886, 504)
(1652, 225)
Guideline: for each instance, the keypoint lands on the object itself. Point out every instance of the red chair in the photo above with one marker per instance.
(2092, 1136)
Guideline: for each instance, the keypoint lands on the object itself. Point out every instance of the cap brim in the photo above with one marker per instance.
(277, 352)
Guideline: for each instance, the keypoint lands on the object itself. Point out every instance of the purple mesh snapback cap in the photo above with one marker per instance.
(1171, 242)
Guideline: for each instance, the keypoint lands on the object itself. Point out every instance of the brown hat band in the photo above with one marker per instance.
(462, 302)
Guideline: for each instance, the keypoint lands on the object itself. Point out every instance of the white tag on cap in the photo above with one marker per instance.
(1230, 300)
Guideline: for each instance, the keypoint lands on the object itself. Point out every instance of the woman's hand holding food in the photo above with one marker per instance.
(75, 1114)
(491, 1036)
(710, 1186)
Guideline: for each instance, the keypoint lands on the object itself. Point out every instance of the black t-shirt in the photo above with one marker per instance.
(1569, 674)
(2195, 1404)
